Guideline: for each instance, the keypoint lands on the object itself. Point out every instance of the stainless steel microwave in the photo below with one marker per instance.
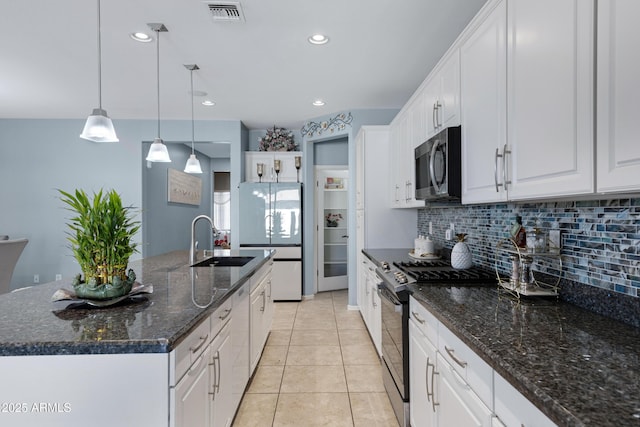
(438, 166)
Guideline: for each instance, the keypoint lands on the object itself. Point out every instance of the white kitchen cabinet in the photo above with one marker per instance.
(442, 95)
(401, 153)
(458, 404)
(545, 149)
(513, 409)
(550, 102)
(261, 313)
(191, 401)
(618, 92)
(483, 99)
(221, 379)
(422, 378)
(369, 301)
(288, 171)
(240, 342)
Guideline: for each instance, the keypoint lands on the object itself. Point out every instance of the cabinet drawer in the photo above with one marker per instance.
(513, 409)
(467, 363)
(188, 351)
(425, 321)
(220, 317)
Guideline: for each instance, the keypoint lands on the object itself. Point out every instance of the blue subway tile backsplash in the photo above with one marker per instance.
(600, 239)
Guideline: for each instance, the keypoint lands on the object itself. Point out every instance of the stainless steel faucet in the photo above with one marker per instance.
(193, 247)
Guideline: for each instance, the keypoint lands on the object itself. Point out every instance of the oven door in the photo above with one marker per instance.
(395, 339)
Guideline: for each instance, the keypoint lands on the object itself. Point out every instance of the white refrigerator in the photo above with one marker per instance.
(271, 218)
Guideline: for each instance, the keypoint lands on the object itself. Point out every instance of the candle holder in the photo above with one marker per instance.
(260, 171)
(276, 168)
(298, 160)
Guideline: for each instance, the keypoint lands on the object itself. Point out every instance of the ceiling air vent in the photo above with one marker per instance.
(225, 11)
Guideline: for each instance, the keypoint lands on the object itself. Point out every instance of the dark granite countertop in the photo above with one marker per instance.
(31, 324)
(578, 367)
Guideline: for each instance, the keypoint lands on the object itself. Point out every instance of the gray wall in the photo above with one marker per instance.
(334, 152)
(39, 156)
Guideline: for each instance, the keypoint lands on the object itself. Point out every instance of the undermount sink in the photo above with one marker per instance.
(224, 261)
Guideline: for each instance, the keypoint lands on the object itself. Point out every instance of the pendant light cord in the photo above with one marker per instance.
(193, 137)
(99, 61)
(158, 76)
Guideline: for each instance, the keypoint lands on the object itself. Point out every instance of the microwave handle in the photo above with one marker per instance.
(432, 168)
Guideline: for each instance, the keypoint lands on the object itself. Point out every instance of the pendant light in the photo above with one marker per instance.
(158, 151)
(193, 164)
(98, 127)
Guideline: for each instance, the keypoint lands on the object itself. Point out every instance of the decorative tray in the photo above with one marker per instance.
(138, 290)
(423, 256)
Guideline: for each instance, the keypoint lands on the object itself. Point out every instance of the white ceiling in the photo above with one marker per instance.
(262, 71)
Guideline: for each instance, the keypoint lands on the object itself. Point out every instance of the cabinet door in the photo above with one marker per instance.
(483, 109)
(618, 68)
(513, 409)
(550, 97)
(395, 152)
(422, 378)
(458, 404)
(360, 166)
(258, 306)
(240, 340)
(192, 395)
(221, 378)
(449, 76)
(432, 102)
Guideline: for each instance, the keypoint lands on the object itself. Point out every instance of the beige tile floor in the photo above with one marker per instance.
(319, 368)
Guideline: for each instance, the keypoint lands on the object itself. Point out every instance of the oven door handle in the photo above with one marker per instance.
(385, 294)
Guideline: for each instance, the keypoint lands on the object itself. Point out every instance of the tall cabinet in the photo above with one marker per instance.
(618, 68)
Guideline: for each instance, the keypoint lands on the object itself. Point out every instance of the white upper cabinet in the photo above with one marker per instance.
(550, 103)
(442, 95)
(402, 145)
(618, 110)
(530, 62)
(483, 88)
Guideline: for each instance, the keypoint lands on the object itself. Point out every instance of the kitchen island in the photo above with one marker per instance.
(65, 365)
(577, 367)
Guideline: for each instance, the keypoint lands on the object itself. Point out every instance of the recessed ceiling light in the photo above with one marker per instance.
(141, 37)
(208, 103)
(318, 102)
(318, 39)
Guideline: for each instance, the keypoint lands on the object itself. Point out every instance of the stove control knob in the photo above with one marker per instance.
(385, 265)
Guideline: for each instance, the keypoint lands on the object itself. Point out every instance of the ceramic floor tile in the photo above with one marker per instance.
(350, 320)
(279, 337)
(282, 323)
(354, 337)
(372, 410)
(313, 379)
(256, 410)
(315, 322)
(360, 355)
(364, 378)
(266, 379)
(274, 355)
(314, 355)
(315, 337)
(313, 410)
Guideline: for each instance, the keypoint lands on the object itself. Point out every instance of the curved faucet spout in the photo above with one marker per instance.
(192, 247)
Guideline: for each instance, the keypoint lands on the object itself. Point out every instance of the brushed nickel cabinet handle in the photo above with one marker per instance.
(417, 317)
(451, 354)
(504, 166)
(495, 170)
(203, 340)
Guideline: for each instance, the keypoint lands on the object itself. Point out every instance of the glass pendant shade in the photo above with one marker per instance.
(158, 152)
(193, 165)
(99, 128)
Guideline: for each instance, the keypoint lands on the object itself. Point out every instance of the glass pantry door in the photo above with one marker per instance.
(332, 229)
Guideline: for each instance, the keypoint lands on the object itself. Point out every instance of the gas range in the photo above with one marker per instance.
(399, 275)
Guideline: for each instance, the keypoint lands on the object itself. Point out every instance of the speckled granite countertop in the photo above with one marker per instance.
(579, 368)
(30, 324)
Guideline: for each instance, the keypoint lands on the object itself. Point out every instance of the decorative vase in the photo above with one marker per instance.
(460, 254)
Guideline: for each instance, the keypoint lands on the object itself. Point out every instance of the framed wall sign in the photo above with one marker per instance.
(183, 188)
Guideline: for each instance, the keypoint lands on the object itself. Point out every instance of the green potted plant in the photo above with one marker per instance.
(101, 233)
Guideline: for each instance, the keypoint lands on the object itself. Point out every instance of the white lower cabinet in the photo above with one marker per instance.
(191, 402)
(221, 378)
(513, 409)
(240, 342)
(458, 404)
(369, 301)
(422, 380)
(260, 313)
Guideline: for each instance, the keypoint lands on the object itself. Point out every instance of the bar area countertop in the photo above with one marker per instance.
(31, 324)
(577, 367)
